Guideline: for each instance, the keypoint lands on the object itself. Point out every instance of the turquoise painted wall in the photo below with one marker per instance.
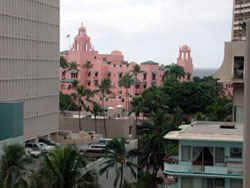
(11, 120)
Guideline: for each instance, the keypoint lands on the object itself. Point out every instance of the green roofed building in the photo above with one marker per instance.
(11, 123)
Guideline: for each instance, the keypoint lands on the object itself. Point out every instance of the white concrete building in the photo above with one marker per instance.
(241, 12)
(29, 61)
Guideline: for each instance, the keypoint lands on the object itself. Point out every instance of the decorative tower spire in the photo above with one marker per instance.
(185, 60)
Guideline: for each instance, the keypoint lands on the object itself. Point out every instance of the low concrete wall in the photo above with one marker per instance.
(115, 127)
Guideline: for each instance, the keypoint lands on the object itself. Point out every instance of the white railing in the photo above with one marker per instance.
(208, 170)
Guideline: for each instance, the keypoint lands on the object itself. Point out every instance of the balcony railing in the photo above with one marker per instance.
(185, 169)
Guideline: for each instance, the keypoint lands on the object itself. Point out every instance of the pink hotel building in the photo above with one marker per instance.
(113, 66)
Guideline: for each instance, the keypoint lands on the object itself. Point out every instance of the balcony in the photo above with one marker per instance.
(230, 171)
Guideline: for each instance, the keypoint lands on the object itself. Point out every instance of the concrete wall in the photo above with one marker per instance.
(29, 61)
(115, 127)
(238, 97)
(232, 49)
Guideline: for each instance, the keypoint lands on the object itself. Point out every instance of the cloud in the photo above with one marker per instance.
(152, 29)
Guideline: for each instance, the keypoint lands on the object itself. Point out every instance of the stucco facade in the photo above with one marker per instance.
(210, 155)
(29, 61)
(112, 66)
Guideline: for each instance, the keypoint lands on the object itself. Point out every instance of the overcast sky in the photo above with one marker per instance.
(152, 29)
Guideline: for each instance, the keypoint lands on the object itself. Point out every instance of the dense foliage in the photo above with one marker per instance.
(166, 107)
(60, 168)
(118, 159)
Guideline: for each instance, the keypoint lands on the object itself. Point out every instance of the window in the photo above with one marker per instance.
(145, 76)
(236, 183)
(185, 153)
(219, 155)
(219, 183)
(120, 75)
(63, 73)
(89, 74)
(74, 75)
(96, 74)
(236, 153)
(89, 83)
(104, 59)
(130, 129)
(238, 67)
(145, 86)
(109, 74)
(95, 57)
(96, 82)
(153, 76)
(137, 86)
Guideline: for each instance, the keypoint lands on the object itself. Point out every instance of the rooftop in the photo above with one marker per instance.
(149, 63)
(208, 131)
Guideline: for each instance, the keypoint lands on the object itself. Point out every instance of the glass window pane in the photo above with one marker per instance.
(219, 155)
(236, 153)
(186, 153)
(219, 183)
(235, 183)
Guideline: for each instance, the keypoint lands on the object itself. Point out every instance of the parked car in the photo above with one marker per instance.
(99, 146)
(47, 141)
(32, 149)
(44, 147)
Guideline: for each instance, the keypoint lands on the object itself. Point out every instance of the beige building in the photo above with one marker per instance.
(29, 61)
(241, 12)
(231, 72)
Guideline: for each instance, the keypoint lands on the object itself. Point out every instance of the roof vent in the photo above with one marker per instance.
(227, 126)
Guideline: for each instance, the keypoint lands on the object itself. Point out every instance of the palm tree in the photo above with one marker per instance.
(80, 95)
(88, 66)
(13, 171)
(137, 107)
(63, 168)
(104, 89)
(127, 81)
(118, 158)
(153, 142)
(136, 70)
(174, 71)
(96, 110)
(63, 63)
